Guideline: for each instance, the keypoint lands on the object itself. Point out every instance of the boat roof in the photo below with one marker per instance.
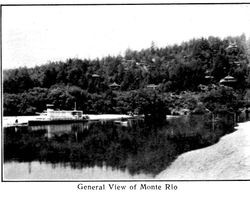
(114, 85)
(67, 110)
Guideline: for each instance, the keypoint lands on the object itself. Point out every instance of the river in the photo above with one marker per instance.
(134, 149)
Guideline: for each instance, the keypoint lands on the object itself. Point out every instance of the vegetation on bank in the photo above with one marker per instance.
(177, 73)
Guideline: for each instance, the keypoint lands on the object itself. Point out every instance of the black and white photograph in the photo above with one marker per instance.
(125, 92)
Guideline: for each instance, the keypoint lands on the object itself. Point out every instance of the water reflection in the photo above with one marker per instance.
(46, 171)
(58, 130)
(137, 148)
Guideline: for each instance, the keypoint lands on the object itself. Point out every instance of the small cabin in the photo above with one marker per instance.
(232, 48)
(114, 86)
(95, 76)
(152, 86)
(228, 81)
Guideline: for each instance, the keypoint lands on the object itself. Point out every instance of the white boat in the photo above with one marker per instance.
(51, 116)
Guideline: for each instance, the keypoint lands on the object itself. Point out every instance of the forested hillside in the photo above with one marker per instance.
(174, 70)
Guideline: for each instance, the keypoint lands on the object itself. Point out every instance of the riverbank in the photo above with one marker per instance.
(108, 117)
(227, 159)
(11, 120)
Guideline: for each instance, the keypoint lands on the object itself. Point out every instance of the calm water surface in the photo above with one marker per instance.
(106, 150)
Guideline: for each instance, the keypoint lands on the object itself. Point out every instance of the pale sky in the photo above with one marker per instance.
(36, 35)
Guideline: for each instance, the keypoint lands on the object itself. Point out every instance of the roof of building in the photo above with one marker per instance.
(228, 79)
(209, 77)
(114, 85)
(95, 76)
(152, 86)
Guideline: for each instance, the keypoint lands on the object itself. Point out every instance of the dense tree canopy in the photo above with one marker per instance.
(174, 68)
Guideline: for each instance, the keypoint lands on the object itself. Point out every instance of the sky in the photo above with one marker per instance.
(37, 35)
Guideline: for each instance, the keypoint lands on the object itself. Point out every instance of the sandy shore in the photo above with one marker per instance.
(107, 116)
(228, 159)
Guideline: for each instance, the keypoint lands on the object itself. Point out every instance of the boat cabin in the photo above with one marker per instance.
(62, 114)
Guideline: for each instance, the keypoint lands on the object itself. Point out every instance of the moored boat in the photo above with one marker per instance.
(51, 116)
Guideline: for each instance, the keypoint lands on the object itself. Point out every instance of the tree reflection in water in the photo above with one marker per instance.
(140, 147)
